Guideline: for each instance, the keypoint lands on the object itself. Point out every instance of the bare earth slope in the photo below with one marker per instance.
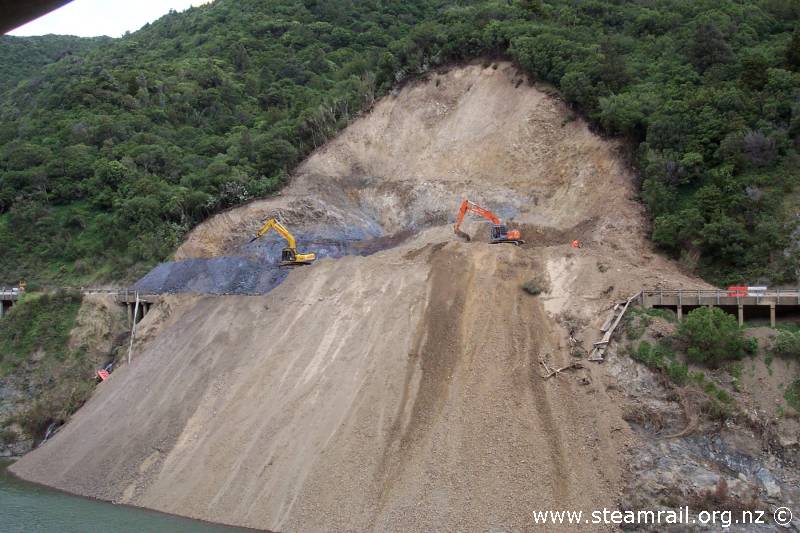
(470, 132)
(401, 390)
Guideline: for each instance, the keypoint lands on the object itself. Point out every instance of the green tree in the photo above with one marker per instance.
(787, 344)
(708, 47)
(792, 52)
(712, 336)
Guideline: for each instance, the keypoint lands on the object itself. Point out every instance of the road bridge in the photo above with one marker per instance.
(126, 297)
(774, 303)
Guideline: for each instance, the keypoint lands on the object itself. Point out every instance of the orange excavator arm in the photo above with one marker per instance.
(499, 231)
(466, 205)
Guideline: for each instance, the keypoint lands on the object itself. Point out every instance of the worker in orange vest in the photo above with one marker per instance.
(576, 243)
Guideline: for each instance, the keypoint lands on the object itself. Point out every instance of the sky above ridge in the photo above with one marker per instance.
(91, 18)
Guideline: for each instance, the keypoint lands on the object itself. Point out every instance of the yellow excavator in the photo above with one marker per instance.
(289, 255)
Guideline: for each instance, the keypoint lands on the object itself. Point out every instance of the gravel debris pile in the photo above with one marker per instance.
(257, 270)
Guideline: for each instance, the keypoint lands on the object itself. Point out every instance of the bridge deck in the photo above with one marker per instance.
(121, 295)
(679, 298)
(672, 298)
(129, 297)
(9, 295)
(126, 297)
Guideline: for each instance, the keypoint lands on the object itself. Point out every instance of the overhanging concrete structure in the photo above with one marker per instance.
(15, 13)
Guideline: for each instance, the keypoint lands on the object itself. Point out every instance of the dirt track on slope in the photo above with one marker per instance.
(400, 390)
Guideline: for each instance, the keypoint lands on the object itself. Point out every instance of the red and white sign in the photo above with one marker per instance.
(742, 291)
(756, 291)
(737, 291)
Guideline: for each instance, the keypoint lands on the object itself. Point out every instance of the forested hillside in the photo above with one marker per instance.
(23, 57)
(110, 155)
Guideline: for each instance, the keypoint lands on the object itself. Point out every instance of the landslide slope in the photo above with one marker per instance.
(402, 389)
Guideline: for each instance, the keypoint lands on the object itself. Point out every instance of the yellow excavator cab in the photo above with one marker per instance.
(289, 255)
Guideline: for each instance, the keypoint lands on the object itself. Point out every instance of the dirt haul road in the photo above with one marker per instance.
(399, 390)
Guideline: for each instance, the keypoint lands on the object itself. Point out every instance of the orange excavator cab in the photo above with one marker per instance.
(500, 233)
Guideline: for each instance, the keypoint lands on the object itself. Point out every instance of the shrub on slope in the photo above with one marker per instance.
(712, 336)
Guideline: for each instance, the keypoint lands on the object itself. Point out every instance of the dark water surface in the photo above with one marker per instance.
(27, 507)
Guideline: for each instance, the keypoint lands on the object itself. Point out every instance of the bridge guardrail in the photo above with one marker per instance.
(714, 292)
(780, 296)
(126, 294)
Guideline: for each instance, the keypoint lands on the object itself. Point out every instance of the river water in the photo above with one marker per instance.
(26, 507)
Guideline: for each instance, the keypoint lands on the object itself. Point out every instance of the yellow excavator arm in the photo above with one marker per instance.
(289, 255)
(280, 228)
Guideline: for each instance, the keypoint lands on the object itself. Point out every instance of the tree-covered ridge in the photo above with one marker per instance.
(23, 57)
(109, 156)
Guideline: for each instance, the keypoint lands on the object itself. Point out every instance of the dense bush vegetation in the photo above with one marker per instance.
(662, 357)
(712, 336)
(22, 57)
(109, 156)
(35, 357)
(38, 323)
(666, 354)
(787, 344)
(792, 395)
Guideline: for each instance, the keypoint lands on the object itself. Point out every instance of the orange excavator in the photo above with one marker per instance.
(500, 233)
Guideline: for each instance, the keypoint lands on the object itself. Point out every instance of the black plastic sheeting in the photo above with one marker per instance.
(257, 269)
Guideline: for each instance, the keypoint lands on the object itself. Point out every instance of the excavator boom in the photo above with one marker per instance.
(499, 231)
(289, 255)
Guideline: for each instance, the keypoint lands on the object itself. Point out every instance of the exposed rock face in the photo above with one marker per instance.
(100, 327)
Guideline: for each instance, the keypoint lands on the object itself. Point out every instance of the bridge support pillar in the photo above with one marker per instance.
(772, 315)
(741, 315)
(2, 309)
(680, 312)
